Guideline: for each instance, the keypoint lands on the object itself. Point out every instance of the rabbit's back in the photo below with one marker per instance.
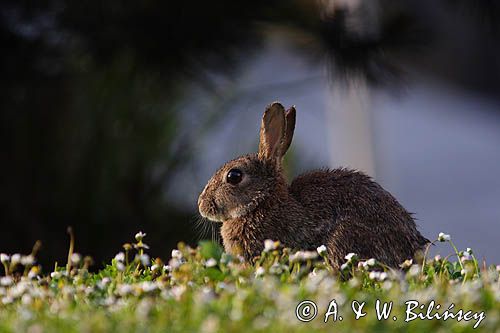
(358, 216)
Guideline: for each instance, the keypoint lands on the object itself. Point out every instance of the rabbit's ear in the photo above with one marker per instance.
(272, 133)
(289, 128)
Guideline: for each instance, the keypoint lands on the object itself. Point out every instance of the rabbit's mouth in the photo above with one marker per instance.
(208, 209)
(215, 213)
(213, 218)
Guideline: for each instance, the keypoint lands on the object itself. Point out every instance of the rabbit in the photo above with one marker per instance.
(343, 209)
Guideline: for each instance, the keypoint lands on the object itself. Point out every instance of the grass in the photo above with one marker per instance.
(205, 289)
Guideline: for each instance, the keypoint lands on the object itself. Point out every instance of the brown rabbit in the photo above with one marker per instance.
(343, 209)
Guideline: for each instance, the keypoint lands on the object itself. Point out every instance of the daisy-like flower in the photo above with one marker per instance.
(28, 260)
(124, 289)
(466, 256)
(270, 245)
(260, 271)
(6, 281)
(120, 266)
(7, 300)
(176, 254)
(406, 264)
(4, 258)
(139, 236)
(145, 260)
(374, 275)
(351, 257)
(120, 257)
(297, 256)
(310, 255)
(414, 270)
(211, 262)
(174, 263)
(371, 262)
(33, 273)
(442, 237)
(76, 258)
(15, 259)
(148, 286)
(322, 251)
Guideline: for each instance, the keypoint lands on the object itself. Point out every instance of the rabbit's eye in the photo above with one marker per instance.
(234, 176)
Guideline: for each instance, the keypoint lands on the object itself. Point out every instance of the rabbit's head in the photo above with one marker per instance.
(242, 184)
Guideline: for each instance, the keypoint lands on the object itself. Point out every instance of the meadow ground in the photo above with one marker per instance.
(204, 289)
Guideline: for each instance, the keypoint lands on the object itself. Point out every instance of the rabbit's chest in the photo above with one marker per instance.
(242, 239)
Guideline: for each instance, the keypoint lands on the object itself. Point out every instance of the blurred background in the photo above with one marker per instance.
(115, 114)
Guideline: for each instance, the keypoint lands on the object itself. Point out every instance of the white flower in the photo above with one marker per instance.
(103, 283)
(177, 291)
(76, 258)
(55, 275)
(260, 271)
(437, 257)
(406, 264)
(120, 257)
(382, 276)
(139, 236)
(7, 300)
(469, 250)
(344, 266)
(33, 273)
(374, 275)
(26, 299)
(124, 289)
(414, 270)
(148, 286)
(174, 263)
(321, 250)
(145, 260)
(297, 256)
(498, 268)
(466, 256)
(350, 257)
(28, 260)
(6, 281)
(120, 266)
(371, 262)
(463, 272)
(309, 255)
(270, 245)
(4, 258)
(211, 262)
(176, 254)
(442, 237)
(15, 259)
(154, 267)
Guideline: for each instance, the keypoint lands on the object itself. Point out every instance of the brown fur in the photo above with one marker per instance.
(343, 209)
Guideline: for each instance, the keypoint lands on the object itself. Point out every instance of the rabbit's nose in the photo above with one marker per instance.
(202, 194)
(202, 199)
